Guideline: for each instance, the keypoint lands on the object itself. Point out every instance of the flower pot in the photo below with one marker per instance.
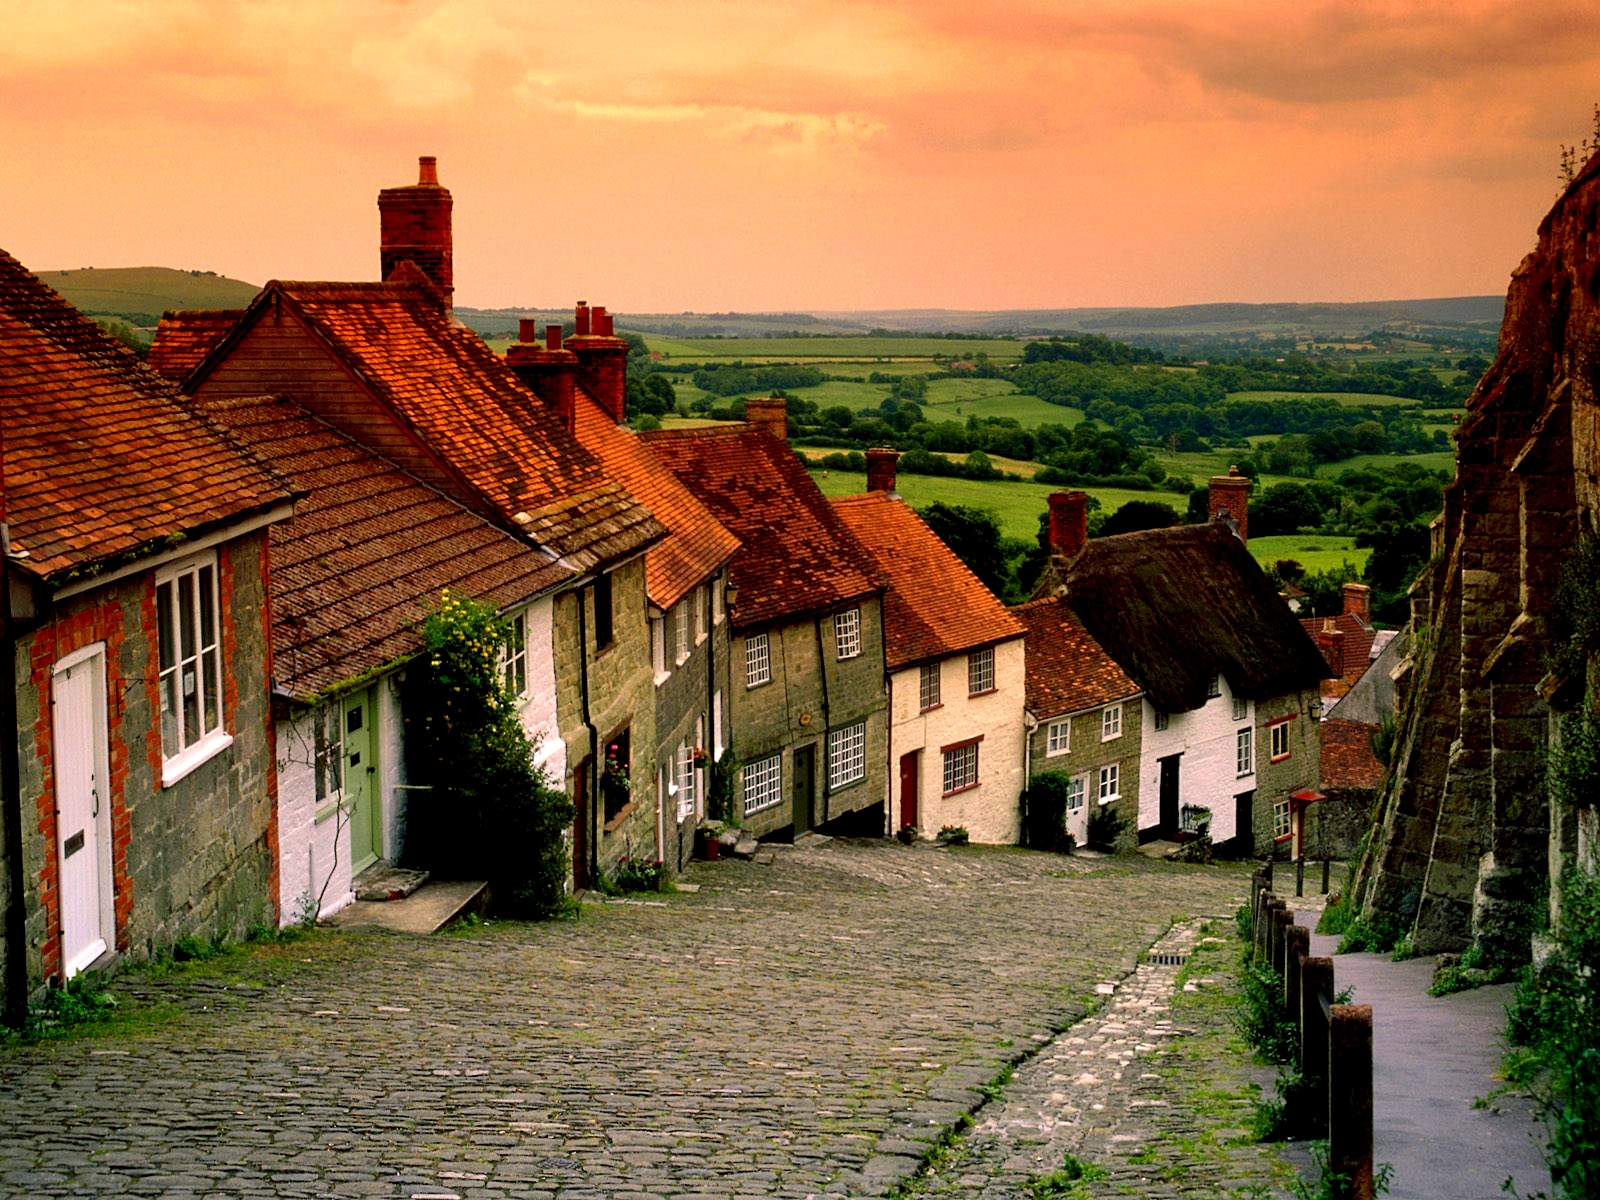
(706, 846)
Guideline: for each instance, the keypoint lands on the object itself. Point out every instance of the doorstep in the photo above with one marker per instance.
(427, 910)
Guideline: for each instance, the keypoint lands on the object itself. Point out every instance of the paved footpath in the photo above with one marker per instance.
(805, 1028)
(1432, 1058)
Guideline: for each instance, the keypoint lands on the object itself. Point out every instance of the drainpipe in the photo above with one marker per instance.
(591, 783)
(16, 981)
(1030, 725)
(822, 664)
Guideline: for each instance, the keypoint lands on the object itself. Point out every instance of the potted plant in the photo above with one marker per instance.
(614, 781)
(708, 840)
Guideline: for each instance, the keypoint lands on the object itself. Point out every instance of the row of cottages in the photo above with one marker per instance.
(1168, 678)
(137, 786)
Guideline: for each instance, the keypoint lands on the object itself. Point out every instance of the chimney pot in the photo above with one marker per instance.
(414, 227)
(1331, 642)
(581, 319)
(552, 336)
(1069, 523)
(528, 330)
(1230, 500)
(881, 462)
(1358, 602)
(771, 414)
(600, 321)
(428, 170)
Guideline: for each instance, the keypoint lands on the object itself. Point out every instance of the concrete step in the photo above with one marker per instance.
(383, 881)
(427, 910)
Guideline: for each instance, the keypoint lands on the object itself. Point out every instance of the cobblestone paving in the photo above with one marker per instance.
(804, 1028)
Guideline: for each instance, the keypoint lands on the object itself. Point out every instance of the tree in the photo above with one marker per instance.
(1285, 508)
(1139, 514)
(973, 535)
(1574, 157)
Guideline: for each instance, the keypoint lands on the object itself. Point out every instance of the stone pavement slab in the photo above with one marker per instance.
(426, 910)
(807, 1028)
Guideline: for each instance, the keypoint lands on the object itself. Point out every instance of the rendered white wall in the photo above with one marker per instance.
(1207, 773)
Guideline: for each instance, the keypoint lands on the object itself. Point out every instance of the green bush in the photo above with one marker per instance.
(489, 810)
(1045, 803)
(1262, 1020)
(1380, 933)
(1106, 825)
(1336, 917)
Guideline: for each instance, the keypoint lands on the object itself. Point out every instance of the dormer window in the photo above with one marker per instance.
(1214, 689)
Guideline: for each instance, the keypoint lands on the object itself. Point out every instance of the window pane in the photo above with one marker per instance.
(170, 744)
(208, 608)
(164, 632)
(186, 618)
(210, 688)
(189, 678)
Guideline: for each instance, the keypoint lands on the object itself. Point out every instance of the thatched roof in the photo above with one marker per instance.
(1175, 606)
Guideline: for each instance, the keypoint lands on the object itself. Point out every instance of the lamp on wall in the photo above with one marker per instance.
(731, 594)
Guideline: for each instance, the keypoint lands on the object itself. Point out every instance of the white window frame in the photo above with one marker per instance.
(1241, 709)
(1163, 721)
(1058, 737)
(717, 609)
(1276, 732)
(1244, 752)
(761, 782)
(716, 726)
(1214, 688)
(1077, 793)
(1282, 821)
(327, 738)
(1111, 723)
(680, 633)
(514, 655)
(685, 770)
(847, 755)
(1108, 786)
(702, 626)
(757, 660)
(980, 672)
(928, 682)
(847, 634)
(207, 741)
(961, 768)
(658, 649)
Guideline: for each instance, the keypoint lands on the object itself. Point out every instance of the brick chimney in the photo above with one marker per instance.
(1330, 640)
(1358, 602)
(602, 359)
(1069, 523)
(881, 462)
(771, 414)
(414, 227)
(550, 370)
(1230, 500)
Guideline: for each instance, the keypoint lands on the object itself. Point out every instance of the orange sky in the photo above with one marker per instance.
(660, 155)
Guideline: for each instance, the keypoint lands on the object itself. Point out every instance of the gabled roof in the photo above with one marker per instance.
(1347, 757)
(697, 545)
(104, 460)
(796, 556)
(369, 551)
(1067, 671)
(935, 606)
(1175, 606)
(1355, 646)
(183, 339)
(460, 399)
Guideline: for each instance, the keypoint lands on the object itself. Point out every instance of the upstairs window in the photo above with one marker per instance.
(980, 672)
(1245, 752)
(757, 661)
(847, 633)
(1214, 688)
(1111, 723)
(1279, 734)
(1058, 737)
(1163, 721)
(188, 636)
(658, 647)
(603, 630)
(1241, 709)
(329, 750)
(686, 781)
(514, 655)
(680, 628)
(928, 687)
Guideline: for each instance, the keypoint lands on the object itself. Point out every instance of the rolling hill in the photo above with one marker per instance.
(140, 295)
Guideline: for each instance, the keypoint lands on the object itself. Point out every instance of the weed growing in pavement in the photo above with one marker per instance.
(1381, 934)
(1064, 1183)
(1331, 1185)
(1336, 917)
(84, 1000)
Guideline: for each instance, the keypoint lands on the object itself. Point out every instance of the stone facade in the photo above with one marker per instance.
(811, 694)
(1463, 841)
(1088, 751)
(190, 855)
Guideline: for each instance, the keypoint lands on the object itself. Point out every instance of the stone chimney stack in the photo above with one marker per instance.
(771, 414)
(1069, 523)
(881, 462)
(1358, 602)
(602, 359)
(414, 227)
(1230, 500)
(550, 370)
(1331, 642)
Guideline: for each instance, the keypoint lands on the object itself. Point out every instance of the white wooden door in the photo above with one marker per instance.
(83, 810)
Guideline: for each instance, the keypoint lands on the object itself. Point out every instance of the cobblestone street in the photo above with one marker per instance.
(809, 1027)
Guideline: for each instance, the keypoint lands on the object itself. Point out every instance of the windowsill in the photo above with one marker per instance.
(848, 657)
(1283, 837)
(662, 677)
(1245, 774)
(760, 683)
(1104, 800)
(203, 751)
(328, 809)
(1114, 737)
(930, 708)
(679, 660)
(1277, 758)
(849, 783)
(615, 822)
(1058, 753)
(957, 791)
(986, 692)
(699, 639)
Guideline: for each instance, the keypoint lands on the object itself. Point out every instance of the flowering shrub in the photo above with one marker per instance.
(639, 875)
(490, 810)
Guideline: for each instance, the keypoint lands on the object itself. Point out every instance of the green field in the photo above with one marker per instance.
(1313, 551)
(1348, 399)
(872, 350)
(149, 291)
(1442, 460)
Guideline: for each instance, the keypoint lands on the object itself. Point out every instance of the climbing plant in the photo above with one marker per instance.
(486, 809)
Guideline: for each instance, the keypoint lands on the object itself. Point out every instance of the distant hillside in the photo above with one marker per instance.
(140, 295)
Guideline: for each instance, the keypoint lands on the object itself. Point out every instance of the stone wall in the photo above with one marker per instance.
(1462, 845)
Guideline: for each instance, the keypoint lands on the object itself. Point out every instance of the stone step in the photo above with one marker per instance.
(427, 910)
(383, 881)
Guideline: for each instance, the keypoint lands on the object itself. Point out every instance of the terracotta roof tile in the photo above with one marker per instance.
(440, 380)
(697, 545)
(1356, 649)
(1347, 757)
(184, 338)
(368, 552)
(103, 458)
(935, 606)
(796, 554)
(1067, 671)
(1176, 606)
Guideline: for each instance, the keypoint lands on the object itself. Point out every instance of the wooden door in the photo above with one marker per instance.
(908, 789)
(1244, 820)
(803, 787)
(1169, 795)
(580, 825)
(361, 780)
(83, 807)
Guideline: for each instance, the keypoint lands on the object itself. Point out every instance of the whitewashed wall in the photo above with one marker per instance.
(1207, 774)
(313, 856)
(539, 709)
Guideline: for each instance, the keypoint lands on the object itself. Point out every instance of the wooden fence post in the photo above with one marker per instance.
(1316, 990)
(1297, 946)
(1282, 918)
(1324, 875)
(1350, 1097)
(1300, 875)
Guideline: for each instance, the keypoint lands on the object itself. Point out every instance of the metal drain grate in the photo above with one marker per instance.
(1169, 960)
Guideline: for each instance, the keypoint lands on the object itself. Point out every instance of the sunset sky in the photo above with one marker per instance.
(665, 155)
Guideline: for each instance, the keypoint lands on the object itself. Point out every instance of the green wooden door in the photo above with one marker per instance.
(361, 778)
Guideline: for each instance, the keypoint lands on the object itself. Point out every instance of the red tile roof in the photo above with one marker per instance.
(443, 383)
(1347, 757)
(796, 556)
(935, 606)
(103, 459)
(1067, 671)
(1356, 649)
(697, 546)
(183, 339)
(368, 552)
